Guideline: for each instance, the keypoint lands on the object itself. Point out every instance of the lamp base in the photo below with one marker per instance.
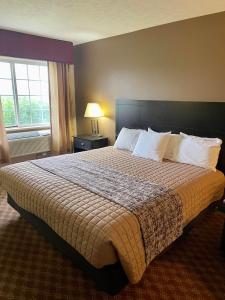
(95, 127)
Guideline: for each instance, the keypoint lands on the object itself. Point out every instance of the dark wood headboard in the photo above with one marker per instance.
(206, 119)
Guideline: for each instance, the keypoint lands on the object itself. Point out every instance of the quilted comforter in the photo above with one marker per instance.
(100, 229)
(158, 210)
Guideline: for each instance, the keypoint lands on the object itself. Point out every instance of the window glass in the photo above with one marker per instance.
(24, 110)
(5, 71)
(35, 87)
(24, 93)
(8, 111)
(44, 88)
(33, 72)
(6, 87)
(21, 71)
(22, 87)
(44, 73)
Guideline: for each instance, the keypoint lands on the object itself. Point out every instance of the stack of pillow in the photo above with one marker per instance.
(183, 148)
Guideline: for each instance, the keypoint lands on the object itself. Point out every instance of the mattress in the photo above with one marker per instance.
(102, 231)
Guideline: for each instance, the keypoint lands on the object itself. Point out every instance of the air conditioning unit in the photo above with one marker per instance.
(27, 143)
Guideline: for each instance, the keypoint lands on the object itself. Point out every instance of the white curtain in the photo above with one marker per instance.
(4, 146)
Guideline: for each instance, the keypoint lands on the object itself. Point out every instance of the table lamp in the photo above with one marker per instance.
(94, 111)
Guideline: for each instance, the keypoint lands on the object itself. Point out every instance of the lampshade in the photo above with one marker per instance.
(93, 110)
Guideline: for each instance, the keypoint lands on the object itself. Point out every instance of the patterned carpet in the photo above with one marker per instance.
(194, 268)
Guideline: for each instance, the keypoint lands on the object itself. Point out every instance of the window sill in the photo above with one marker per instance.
(24, 129)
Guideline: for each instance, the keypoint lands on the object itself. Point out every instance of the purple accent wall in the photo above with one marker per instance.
(21, 45)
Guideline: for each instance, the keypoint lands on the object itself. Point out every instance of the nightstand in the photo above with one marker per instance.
(86, 142)
(221, 208)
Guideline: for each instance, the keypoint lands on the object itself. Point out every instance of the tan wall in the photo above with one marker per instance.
(179, 61)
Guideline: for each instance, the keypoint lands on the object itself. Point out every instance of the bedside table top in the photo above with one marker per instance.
(90, 137)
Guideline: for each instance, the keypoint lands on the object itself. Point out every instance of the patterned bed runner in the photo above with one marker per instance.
(158, 210)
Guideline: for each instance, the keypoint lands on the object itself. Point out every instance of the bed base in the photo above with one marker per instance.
(112, 278)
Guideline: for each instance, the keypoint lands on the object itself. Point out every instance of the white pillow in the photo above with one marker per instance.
(197, 151)
(151, 145)
(172, 146)
(127, 139)
(212, 141)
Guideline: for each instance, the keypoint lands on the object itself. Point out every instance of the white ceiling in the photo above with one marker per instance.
(82, 21)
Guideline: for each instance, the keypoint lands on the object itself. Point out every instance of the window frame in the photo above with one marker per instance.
(12, 62)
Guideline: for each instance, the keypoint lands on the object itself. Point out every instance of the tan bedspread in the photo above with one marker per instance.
(101, 230)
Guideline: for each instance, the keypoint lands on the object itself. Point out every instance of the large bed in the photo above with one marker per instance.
(100, 235)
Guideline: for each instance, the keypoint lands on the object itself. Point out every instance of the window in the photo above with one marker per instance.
(24, 93)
